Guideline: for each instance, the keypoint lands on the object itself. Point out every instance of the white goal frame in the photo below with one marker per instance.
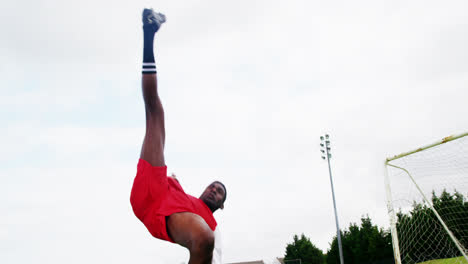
(391, 210)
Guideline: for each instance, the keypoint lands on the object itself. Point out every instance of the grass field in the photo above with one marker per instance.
(447, 261)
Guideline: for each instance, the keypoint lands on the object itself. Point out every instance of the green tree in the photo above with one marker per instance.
(301, 248)
(362, 244)
(420, 225)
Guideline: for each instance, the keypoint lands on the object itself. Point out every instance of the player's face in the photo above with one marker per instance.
(213, 196)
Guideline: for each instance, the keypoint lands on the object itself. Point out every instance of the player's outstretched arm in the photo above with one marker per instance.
(153, 145)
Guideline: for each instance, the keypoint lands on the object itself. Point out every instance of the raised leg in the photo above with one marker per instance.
(187, 229)
(153, 145)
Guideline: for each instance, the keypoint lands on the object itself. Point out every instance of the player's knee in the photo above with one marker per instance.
(204, 243)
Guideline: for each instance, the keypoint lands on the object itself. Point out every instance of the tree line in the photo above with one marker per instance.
(424, 236)
(366, 243)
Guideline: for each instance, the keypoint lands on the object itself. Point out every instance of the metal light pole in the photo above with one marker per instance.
(325, 144)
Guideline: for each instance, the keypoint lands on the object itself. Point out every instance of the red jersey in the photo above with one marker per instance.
(155, 196)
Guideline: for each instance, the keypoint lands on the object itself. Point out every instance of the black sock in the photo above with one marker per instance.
(149, 66)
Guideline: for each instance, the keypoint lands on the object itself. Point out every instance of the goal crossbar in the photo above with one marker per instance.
(444, 140)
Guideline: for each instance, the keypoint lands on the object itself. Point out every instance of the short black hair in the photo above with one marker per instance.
(225, 191)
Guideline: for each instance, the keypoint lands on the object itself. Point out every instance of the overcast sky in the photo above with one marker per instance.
(248, 88)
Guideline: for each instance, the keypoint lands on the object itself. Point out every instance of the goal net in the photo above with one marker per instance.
(427, 199)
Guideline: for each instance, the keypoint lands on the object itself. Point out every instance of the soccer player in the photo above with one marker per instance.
(159, 201)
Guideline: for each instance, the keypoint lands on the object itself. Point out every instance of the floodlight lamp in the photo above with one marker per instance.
(323, 151)
(327, 136)
(323, 157)
(321, 144)
(321, 137)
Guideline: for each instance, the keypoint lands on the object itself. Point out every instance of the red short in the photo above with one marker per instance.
(155, 196)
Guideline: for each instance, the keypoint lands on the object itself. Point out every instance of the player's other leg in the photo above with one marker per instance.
(153, 145)
(192, 232)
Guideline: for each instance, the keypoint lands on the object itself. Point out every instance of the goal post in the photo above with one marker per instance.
(427, 191)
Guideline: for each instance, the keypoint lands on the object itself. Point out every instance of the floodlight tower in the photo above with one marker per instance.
(326, 155)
